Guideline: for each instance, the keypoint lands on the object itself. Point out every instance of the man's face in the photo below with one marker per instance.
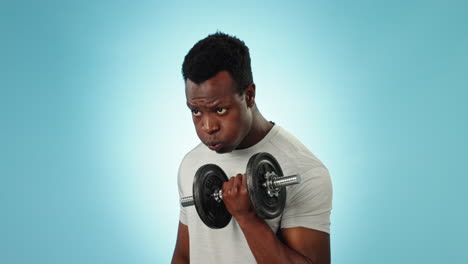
(221, 116)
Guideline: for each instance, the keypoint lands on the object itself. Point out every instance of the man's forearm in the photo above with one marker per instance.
(265, 245)
(179, 260)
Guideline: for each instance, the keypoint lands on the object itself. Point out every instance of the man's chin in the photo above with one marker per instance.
(224, 149)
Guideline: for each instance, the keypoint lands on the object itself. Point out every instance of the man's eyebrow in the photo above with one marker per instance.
(215, 103)
(209, 105)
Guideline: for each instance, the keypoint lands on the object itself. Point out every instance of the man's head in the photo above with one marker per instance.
(215, 53)
(220, 92)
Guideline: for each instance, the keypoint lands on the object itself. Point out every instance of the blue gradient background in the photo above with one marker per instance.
(94, 122)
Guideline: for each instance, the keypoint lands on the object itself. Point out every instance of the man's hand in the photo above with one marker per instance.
(301, 245)
(236, 198)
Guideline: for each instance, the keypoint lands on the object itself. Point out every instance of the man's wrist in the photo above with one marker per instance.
(248, 219)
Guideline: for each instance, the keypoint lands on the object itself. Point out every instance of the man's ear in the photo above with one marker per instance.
(249, 95)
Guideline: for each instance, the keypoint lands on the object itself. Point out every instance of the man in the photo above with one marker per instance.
(221, 96)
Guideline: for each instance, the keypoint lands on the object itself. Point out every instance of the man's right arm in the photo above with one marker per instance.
(181, 252)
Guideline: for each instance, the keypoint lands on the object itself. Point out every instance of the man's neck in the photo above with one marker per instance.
(259, 129)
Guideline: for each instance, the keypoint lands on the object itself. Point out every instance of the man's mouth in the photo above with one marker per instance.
(215, 146)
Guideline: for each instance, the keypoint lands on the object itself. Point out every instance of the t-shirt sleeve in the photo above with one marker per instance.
(309, 203)
(183, 210)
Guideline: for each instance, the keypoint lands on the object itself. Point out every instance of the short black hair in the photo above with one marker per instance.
(215, 53)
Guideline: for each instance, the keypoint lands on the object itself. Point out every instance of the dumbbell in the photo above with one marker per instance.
(265, 183)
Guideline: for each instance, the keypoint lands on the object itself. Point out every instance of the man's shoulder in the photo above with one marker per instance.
(293, 154)
(194, 155)
(188, 166)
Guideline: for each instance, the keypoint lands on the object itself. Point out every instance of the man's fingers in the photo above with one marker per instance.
(239, 181)
(235, 184)
(244, 180)
(227, 186)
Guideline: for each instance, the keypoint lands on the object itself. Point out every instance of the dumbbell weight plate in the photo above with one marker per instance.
(266, 207)
(207, 179)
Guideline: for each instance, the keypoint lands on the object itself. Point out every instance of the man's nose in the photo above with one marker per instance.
(210, 125)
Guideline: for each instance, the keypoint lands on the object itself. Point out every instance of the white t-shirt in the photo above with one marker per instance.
(308, 204)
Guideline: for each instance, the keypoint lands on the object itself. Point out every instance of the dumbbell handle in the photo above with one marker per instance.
(186, 201)
(277, 183)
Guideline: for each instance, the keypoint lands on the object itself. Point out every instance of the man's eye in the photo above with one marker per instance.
(195, 112)
(221, 110)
